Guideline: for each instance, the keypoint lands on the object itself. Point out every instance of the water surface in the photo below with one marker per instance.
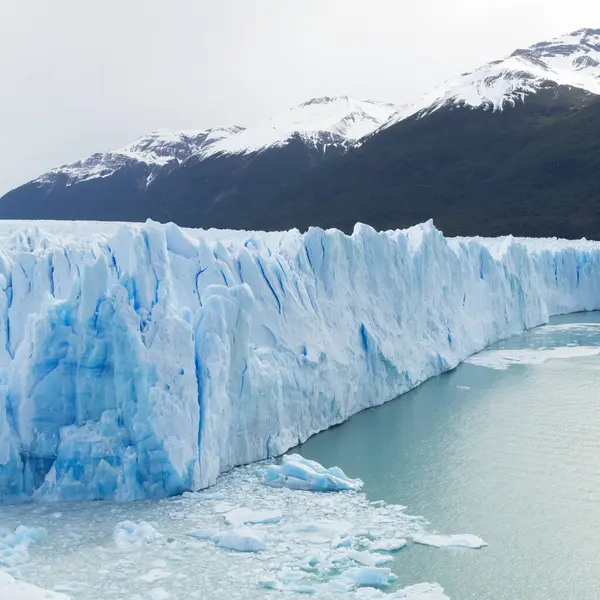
(511, 454)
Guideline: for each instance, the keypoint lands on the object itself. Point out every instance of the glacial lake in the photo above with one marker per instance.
(510, 454)
(505, 447)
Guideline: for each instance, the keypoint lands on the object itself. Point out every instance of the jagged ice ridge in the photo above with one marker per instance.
(139, 361)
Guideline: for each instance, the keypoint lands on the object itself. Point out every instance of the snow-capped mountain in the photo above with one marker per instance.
(571, 60)
(320, 123)
(154, 150)
(508, 148)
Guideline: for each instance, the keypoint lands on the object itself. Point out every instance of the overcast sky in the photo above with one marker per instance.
(79, 76)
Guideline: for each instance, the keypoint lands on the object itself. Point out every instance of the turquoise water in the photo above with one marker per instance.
(514, 459)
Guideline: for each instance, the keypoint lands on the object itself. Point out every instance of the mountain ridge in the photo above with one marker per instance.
(320, 122)
(252, 177)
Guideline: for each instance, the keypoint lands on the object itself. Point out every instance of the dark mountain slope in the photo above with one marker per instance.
(211, 192)
(114, 198)
(529, 170)
(222, 191)
(150, 178)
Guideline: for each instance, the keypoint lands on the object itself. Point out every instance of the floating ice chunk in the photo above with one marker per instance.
(70, 586)
(13, 589)
(318, 532)
(502, 359)
(153, 594)
(369, 560)
(222, 507)
(344, 541)
(154, 575)
(274, 584)
(421, 591)
(128, 535)
(14, 547)
(392, 545)
(576, 327)
(368, 576)
(203, 534)
(463, 540)
(242, 516)
(299, 473)
(204, 496)
(241, 540)
(424, 591)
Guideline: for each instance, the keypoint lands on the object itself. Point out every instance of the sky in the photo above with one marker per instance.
(78, 76)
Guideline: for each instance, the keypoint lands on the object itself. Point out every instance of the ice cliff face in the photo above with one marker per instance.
(143, 360)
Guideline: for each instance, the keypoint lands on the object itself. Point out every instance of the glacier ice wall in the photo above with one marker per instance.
(138, 361)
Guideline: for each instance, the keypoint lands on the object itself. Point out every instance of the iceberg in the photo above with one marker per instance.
(392, 545)
(143, 360)
(128, 535)
(368, 576)
(14, 546)
(244, 516)
(241, 540)
(298, 473)
(459, 540)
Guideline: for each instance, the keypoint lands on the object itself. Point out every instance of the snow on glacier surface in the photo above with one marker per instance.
(140, 361)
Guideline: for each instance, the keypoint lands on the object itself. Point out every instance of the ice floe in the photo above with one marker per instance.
(242, 540)
(129, 535)
(239, 516)
(298, 473)
(14, 546)
(501, 359)
(465, 540)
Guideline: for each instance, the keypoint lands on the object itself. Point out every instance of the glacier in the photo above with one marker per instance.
(143, 360)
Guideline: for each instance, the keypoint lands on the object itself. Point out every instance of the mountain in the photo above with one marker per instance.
(533, 170)
(513, 147)
(119, 185)
(320, 123)
(571, 60)
(508, 148)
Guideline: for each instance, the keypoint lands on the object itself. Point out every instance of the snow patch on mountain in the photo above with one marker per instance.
(320, 123)
(152, 152)
(571, 60)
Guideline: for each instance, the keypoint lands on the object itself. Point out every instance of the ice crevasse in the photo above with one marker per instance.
(139, 361)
